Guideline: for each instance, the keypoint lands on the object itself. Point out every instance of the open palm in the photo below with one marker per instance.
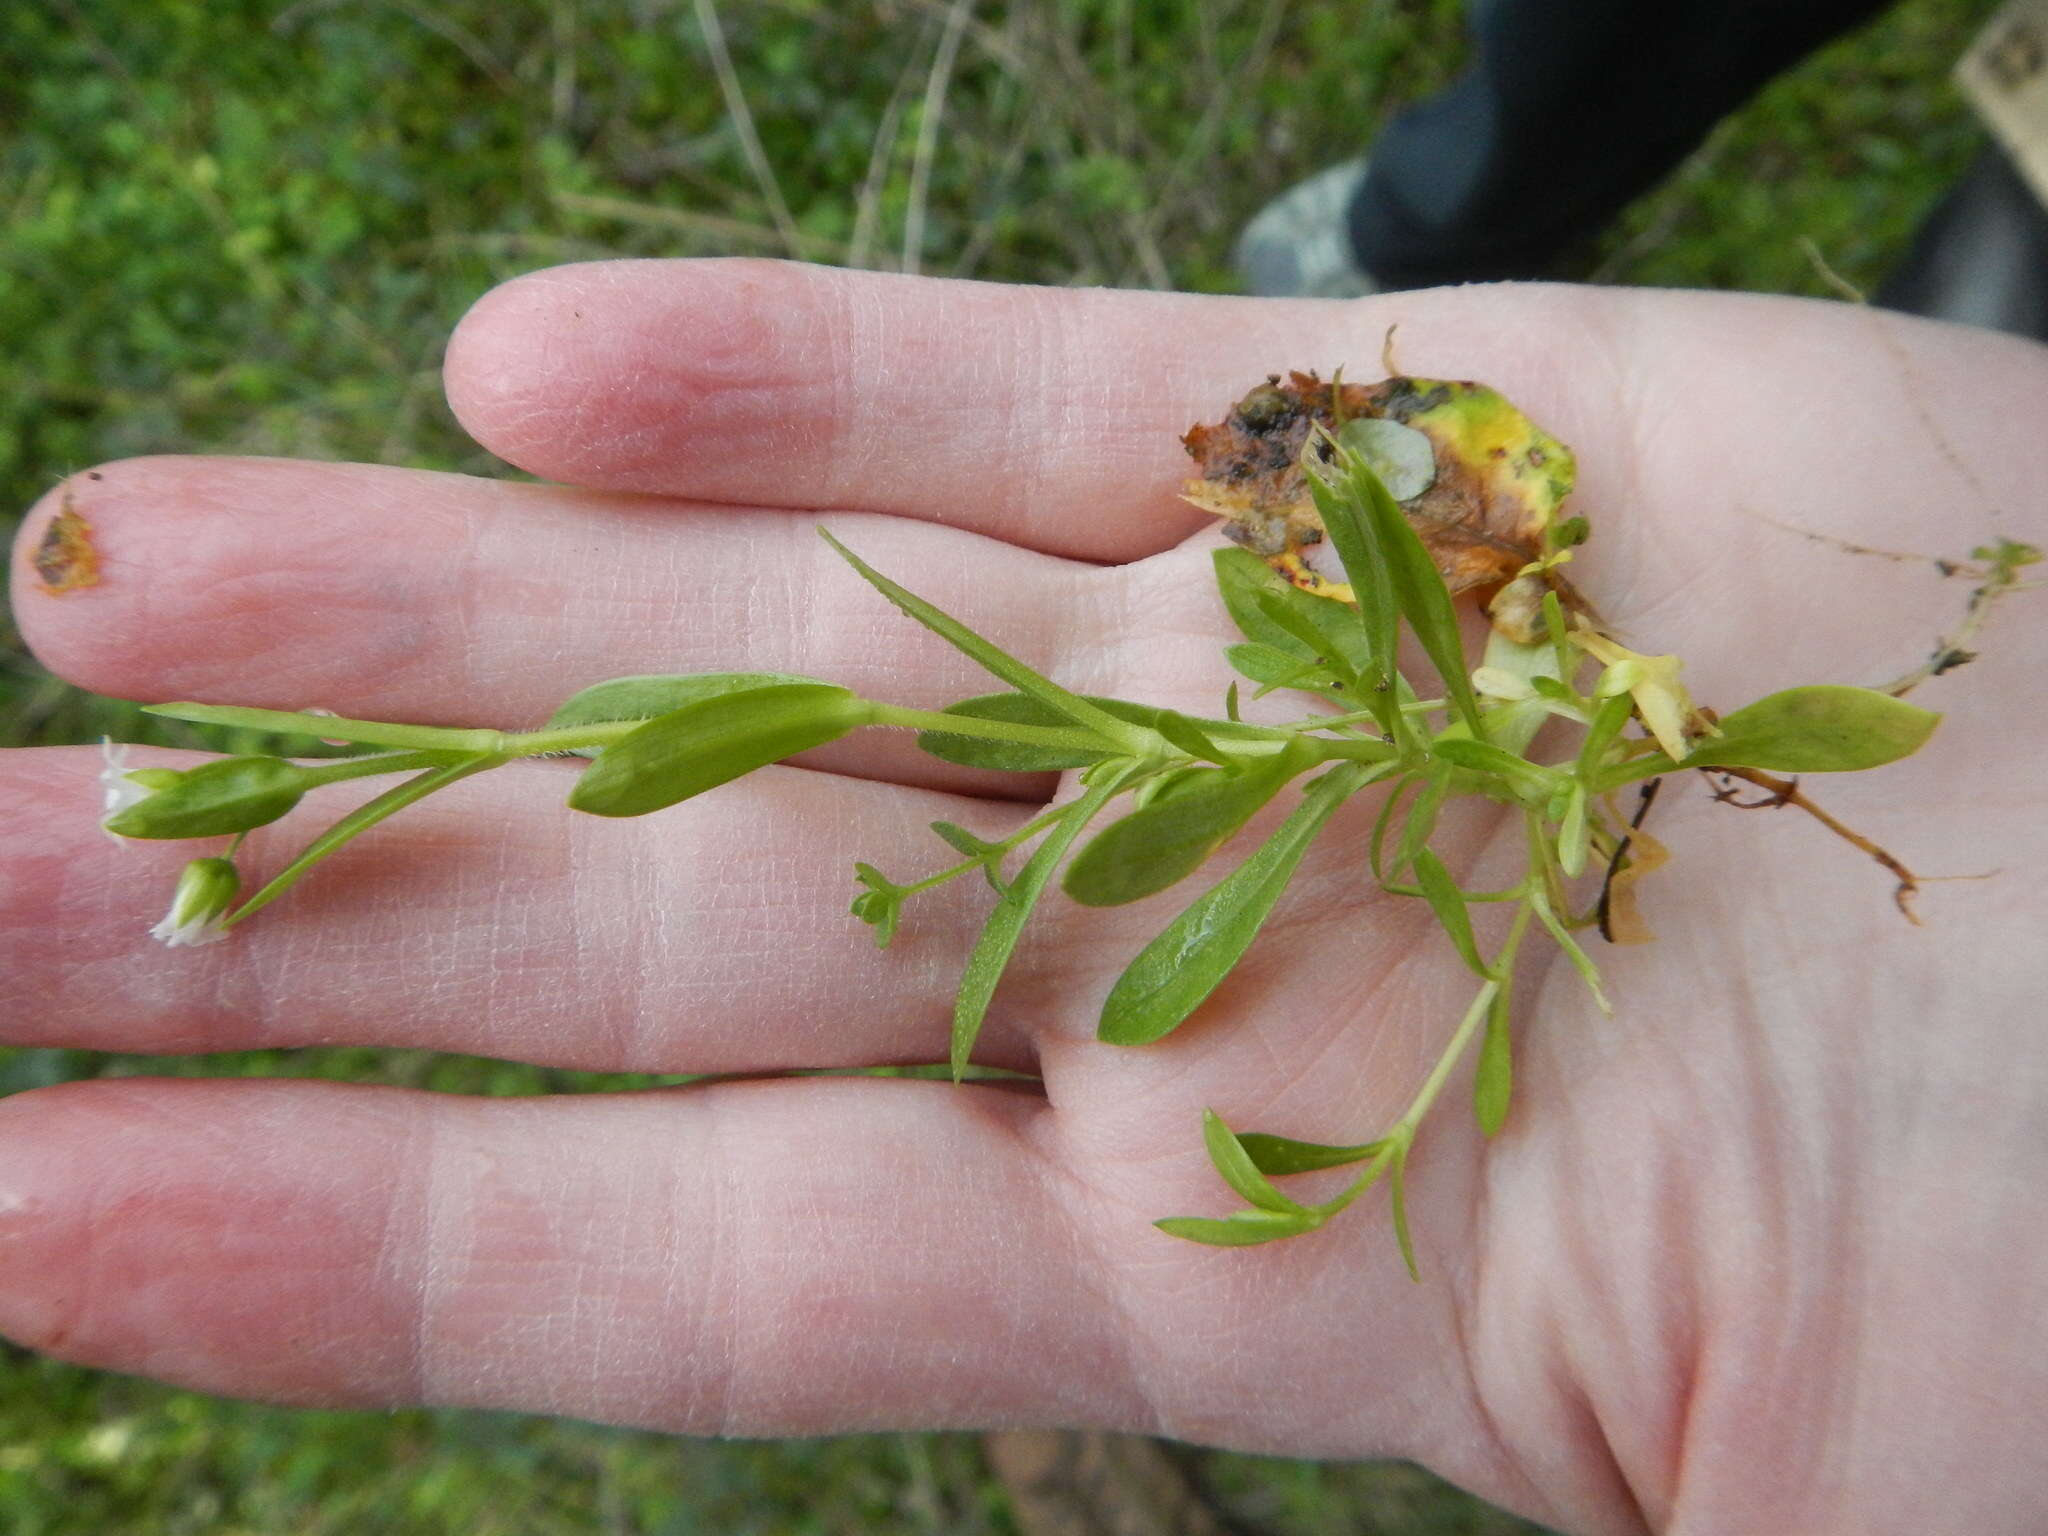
(1757, 1253)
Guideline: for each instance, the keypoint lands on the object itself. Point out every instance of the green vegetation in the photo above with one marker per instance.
(241, 226)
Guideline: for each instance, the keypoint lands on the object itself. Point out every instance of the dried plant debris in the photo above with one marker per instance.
(1481, 484)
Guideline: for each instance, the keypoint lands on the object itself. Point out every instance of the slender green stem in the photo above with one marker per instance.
(360, 820)
(1016, 839)
(345, 768)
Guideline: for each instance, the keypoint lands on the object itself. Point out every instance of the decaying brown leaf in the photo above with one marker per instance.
(1500, 480)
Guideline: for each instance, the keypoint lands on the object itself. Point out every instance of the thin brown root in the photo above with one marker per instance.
(1787, 792)
(1605, 911)
(1997, 578)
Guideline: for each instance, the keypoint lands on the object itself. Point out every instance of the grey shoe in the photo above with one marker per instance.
(1299, 245)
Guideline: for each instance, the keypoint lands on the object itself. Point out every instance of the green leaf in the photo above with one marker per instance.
(216, 799)
(1494, 1083)
(712, 742)
(1448, 903)
(1012, 671)
(1279, 1155)
(1238, 1169)
(1419, 589)
(999, 934)
(1419, 824)
(1164, 842)
(1581, 962)
(1355, 535)
(1190, 738)
(1308, 638)
(1240, 1229)
(1403, 458)
(1574, 834)
(642, 698)
(1826, 728)
(1529, 782)
(1271, 668)
(1398, 1189)
(1176, 972)
(1022, 757)
(1249, 587)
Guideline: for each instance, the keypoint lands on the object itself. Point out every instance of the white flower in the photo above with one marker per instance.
(206, 889)
(117, 790)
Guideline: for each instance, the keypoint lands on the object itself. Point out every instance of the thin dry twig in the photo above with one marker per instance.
(928, 130)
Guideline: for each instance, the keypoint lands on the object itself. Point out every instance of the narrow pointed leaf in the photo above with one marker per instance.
(1240, 1229)
(642, 698)
(996, 660)
(1238, 1169)
(1448, 903)
(1169, 839)
(967, 845)
(711, 742)
(1177, 971)
(1398, 1190)
(1278, 1155)
(1005, 924)
(1418, 588)
(1271, 668)
(1189, 737)
(1494, 1083)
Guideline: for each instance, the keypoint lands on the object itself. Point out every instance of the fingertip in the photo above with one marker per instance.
(215, 1269)
(631, 375)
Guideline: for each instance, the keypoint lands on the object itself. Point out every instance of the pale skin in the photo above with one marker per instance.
(1760, 1253)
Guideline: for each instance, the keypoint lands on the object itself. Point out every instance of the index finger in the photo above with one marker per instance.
(1050, 417)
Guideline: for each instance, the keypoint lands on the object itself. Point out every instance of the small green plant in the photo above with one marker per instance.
(1160, 793)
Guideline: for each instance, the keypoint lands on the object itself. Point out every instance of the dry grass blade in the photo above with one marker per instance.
(928, 130)
(743, 125)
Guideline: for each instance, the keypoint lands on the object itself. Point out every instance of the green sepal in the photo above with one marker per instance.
(880, 905)
(1280, 1155)
(1175, 973)
(1824, 728)
(216, 799)
(711, 742)
(1240, 1229)
(1164, 842)
(1448, 903)
(643, 698)
(1494, 1082)
(1239, 1171)
(999, 935)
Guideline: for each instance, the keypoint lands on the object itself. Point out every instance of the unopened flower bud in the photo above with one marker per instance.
(206, 889)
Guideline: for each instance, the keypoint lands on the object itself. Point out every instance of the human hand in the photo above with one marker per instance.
(1750, 1255)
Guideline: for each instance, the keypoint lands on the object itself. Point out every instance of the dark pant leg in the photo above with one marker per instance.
(1571, 109)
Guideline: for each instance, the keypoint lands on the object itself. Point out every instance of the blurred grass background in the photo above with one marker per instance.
(246, 226)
